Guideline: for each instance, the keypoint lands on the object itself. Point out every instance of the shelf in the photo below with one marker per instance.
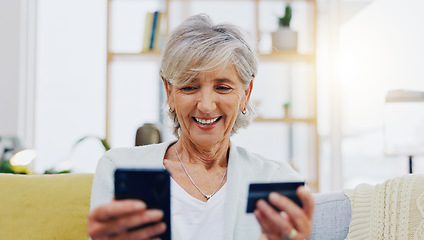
(239, 0)
(285, 120)
(289, 56)
(149, 53)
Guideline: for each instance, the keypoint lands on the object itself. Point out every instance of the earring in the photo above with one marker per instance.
(244, 112)
(171, 111)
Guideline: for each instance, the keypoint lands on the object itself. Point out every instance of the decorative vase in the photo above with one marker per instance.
(284, 39)
(147, 134)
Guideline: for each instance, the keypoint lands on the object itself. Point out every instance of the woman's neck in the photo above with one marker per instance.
(210, 156)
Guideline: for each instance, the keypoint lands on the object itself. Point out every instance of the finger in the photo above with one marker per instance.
(284, 203)
(148, 232)
(267, 233)
(121, 224)
(299, 218)
(308, 208)
(115, 209)
(307, 201)
(275, 222)
(109, 211)
(295, 213)
(266, 227)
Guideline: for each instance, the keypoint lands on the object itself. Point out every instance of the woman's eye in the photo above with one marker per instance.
(223, 88)
(188, 88)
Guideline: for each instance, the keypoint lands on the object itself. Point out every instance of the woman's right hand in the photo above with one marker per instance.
(112, 221)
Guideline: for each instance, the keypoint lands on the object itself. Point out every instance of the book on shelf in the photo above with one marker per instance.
(152, 31)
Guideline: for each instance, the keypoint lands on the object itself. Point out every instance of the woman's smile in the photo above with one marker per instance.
(206, 122)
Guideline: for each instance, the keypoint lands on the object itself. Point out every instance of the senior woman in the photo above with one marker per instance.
(208, 73)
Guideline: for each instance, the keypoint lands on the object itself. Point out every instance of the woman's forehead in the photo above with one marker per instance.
(226, 73)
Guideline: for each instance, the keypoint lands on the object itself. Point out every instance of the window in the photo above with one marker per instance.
(378, 53)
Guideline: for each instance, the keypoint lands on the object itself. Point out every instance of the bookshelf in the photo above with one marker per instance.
(287, 58)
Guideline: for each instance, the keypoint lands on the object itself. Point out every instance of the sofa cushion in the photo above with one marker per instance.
(331, 217)
(44, 206)
(393, 209)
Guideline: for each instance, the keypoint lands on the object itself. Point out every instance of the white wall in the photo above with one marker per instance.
(9, 66)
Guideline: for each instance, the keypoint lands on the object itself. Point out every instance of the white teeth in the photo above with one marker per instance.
(203, 121)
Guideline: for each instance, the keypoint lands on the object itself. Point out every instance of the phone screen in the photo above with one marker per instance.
(152, 186)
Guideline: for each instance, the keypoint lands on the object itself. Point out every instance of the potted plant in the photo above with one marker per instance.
(285, 38)
(66, 166)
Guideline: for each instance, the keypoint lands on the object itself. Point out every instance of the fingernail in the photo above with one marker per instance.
(157, 213)
(162, 227)
(139, 205)
(302, 189)
(273, 196)
(260, 203)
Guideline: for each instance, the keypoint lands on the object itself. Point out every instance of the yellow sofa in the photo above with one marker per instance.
(44, 206)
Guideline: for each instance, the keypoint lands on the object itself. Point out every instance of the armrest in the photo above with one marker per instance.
(332, 216)
(44, 206)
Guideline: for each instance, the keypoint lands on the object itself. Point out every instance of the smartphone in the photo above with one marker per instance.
(152, 186)
(262, 190)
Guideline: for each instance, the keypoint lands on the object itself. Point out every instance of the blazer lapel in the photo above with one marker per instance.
(234, 193)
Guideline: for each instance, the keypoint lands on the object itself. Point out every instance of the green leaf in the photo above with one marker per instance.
(285, 20)
(105, 144)
(102, 140)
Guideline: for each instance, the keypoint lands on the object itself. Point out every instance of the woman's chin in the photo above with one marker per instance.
(208, 140)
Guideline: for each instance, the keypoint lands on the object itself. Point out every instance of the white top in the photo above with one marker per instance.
(192, 219)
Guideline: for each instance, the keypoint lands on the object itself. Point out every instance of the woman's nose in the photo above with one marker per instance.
(206, 101)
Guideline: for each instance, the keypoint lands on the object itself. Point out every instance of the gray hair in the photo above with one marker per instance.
(198, 45)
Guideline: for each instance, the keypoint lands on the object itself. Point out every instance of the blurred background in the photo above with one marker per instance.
(344, 105)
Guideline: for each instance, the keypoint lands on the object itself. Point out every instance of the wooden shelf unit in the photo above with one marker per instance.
(286, 120)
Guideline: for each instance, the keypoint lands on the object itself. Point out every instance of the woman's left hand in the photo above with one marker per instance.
(292, 222)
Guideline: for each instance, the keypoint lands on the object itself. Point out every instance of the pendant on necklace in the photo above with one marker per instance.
(191, 180)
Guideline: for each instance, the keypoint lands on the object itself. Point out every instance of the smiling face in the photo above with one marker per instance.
(207, 107)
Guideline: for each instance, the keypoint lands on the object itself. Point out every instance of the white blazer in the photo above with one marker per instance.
(244, 168)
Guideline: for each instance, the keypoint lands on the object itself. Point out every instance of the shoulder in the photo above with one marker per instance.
(147, 156)
(261, 166)
(135, 151)
(255, 157)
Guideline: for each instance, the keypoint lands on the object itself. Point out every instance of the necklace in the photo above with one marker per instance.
(205, 195)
